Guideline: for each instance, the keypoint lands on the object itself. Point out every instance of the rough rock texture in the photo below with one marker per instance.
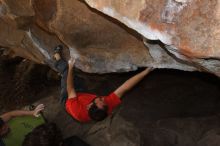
(176, 112)
(188, 30)
(22, 81)
(167, 108)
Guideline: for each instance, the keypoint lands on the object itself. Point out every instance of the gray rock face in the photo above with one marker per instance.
(165, 109)
(188, 31)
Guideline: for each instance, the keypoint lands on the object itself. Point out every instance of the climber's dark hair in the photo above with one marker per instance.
(96, 113)
(44, 135)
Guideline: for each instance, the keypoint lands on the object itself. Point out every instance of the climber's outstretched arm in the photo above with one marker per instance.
(130, 83)
(70, 84)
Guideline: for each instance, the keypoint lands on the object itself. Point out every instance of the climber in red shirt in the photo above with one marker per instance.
(83, 106)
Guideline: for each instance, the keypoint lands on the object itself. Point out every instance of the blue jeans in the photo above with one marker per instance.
(62, 68)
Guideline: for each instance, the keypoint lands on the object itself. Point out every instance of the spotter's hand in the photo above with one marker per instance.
(38, 109)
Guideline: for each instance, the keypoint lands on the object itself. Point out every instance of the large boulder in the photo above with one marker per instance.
(185, 33)
(189, 29)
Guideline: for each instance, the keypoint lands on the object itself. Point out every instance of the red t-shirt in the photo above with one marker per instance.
(77, 107)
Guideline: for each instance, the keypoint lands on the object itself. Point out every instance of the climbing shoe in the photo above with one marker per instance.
(58, 49)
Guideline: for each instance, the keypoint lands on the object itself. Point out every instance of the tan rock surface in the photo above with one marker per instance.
(188, 29)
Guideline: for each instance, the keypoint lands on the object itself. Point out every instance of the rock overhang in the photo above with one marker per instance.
(120, 41)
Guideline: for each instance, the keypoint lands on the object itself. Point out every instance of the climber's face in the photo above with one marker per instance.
(100, 102)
